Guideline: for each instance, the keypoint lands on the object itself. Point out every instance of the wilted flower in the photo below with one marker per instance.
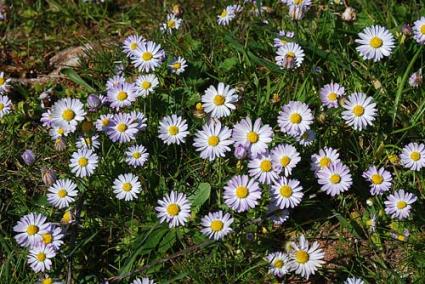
(28, 157)
(349, 15)
(416, 79)
(60, 144)
(406, 29)
(48, 176)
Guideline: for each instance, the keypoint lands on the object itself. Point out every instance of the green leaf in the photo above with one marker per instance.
(200, 196)
(74, 77)
(229, 63)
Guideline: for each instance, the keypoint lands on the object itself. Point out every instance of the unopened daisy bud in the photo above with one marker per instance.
(406, 29)
(93, 101)
(276, 98)
(321, 118)
(48, 176)
(377, 84)
(199, 110)
(67, 218)
(264, 230)
(416, 79)
(349, 15)
(86, 126)
(28, 157)
(394, 159)
(60, 144)
(369, 202)
(240, 152)
(177, 10)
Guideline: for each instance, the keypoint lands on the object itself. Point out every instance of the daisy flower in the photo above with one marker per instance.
(278, 263)
(67, 113)
(413, 156)
(295, 118)
(174, 208)
(219, 102)
(307, 138)
(285, 157)
(375, 42)
(379, 178)
(127, 187)
(279, 42)
(277, 215)
(326, 157)
(4, 83)
(83, 162)
(287, 193)
(226, 16)
(172, 23)
(419, 30)
(62, 193)
(58, 131)
(140, 119)
(399, 204)
(241, 193)
(46, 119)
(115, 81)
(30, 229)
(148, 56)
(39, 257)
(122, 128)
(103, 122)
(5, 105)
(253, 136)
(173, 129)
(136, 156)
(216, 225)
(290, 56)
(146, 85)
(261, 168)
(144, 280)
(353, 280)
(131, 43)
(213, 140)
(335, 179)
(305, 259)
(330, 93)
(121, 96)
(53, 237)
(178, 65)
(360, 111)
(88, 142)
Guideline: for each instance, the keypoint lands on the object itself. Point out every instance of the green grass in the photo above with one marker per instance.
(122, 240)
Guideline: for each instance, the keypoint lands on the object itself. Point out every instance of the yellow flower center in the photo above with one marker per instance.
(121, 127)
(295, 118)
(324, 162)
(401, 238)
(199, 107)
(284, 161)
(376, 42)
(377, 179)
(68, 114)
(278, 264)
(298, 2)
(213, 140)
(422, 29)
(2, 80)
(127, 186)
(301, 256)
(146, 85)
(286, 191)
(358, 110)
(136, 155)
(133, 45)
(173, 209)
(1, 106)
(47, 238)
(335, 178)
(41, 256)
(401, 204)
(32, 230)
(83, 161)
(290, 54)
(216, 225)
(62, 193)
(241, 191)
(47, 281)
(219, 100)
(266, 165)
(60, 131)
(146, 56)
(224, 13)
(105, 121)
(176, 65)
(122, 96)
(171, 24)
(173, 130)
(415, 156)
(252, 137)
(332, 96)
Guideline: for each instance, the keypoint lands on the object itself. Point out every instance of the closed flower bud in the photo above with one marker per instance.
(93, 101)
(48, 176)
(406, 29)
(416, 79)
(28, 157)
(60, 144)
(240, 152)
(177, 10)
(321, 118)
(349, 15)
(67, 218)
(86, 126)
(393, 158)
